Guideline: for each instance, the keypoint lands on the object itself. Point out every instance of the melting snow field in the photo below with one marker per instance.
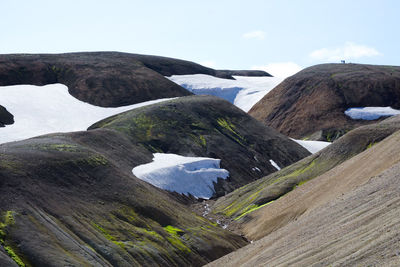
(48, 109)
(273, 163)
(371, 113)
(312, 146)
(185, 175)
(244, 92)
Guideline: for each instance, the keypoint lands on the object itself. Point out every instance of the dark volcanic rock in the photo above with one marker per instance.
(71, 200)
(5, 117)
(315, 98)
(250, 73)
(208, 126)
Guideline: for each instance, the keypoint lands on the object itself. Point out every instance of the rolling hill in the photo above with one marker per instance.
(311, 103)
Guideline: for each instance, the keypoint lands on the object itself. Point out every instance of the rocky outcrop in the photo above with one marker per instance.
(5, 117)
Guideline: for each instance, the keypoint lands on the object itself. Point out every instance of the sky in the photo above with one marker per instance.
(280, 36)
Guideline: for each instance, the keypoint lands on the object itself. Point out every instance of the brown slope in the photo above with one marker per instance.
(208, 126)
(346, 217)
(315, 98)
(101, 78)
(71, 199)
(252, 196)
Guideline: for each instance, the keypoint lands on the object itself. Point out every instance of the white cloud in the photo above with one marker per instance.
(208, 63)
(280, 69)
(347, 51)
(259, 35)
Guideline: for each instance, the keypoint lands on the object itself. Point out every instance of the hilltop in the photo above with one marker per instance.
(311, 103)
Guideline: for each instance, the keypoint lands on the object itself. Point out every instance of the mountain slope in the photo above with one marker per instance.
(316, 98)
(206, 126)
(71, 199)
(347, 216)
(107, 79)
(240, 203)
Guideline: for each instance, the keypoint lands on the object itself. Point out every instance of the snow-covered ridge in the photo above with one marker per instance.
(48, 109)
(312, 146)
(370, 113)
(184, 175)
(244, 92)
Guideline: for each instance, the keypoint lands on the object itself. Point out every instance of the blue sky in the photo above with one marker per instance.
(280, 36)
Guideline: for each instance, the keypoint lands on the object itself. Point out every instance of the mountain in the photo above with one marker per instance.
(242, 202)
(346, 216)
(312, 103)
(107, 79)
(242, 91)
(71, 199)
(207, 126)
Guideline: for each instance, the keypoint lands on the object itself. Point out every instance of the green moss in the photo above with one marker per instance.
(203, 141)
(96, 160)
(174, 238)
(230, 127)
(371, 144)
(14, 256)
(172, 230)
(7, 221)
(252, 208)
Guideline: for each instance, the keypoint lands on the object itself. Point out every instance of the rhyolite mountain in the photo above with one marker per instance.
(311, 103)
(107, 79)
(208, 126)
(71, 200)
(346, 216)
(245, 200)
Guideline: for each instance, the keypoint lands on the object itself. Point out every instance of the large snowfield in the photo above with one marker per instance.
(371, 113)
(243, 92)
(185, 175)
(48, 109)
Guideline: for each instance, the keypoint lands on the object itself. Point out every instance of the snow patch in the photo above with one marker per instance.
(48, 109)
(244, 92)
(273, 163)
(370, 113)
(312, 146)
(184, 175)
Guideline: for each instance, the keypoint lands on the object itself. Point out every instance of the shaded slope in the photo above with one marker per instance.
(71, 199)
(106, 79)
(315, 98)
(346, 217)
(207, 126)
(250, 197)
(5, 117)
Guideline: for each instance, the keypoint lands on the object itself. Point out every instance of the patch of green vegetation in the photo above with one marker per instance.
(252, 208)
(96, 160)
(172, 230)
(371, 145)
(145, 124)
(230, 127)
(14, 256)
(296, 172)
(7, 221)
(108, 236)
(174, 239)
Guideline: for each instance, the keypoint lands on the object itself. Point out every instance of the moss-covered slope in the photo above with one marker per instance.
(71, 199)
(210, 127)
(253, 196)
